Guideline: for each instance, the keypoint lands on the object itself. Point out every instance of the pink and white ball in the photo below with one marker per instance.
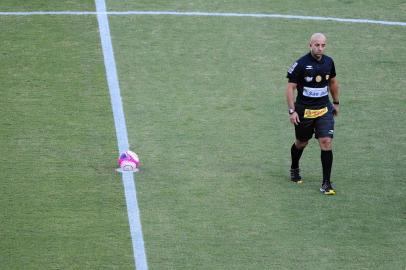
(129, 161)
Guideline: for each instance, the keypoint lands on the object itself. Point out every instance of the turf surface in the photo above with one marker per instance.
(205, 108)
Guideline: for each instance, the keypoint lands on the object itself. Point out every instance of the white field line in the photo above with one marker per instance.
(207, 14)
(122, 138)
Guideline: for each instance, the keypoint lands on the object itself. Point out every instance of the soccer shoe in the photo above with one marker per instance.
(327, 189)
(295, 176)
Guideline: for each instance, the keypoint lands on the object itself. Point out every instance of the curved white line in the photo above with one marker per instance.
(209, 14)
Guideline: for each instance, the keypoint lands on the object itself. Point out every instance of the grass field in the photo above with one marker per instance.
(205, 110)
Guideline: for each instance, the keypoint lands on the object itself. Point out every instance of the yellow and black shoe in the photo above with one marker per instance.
(295, 176)
(327, 189)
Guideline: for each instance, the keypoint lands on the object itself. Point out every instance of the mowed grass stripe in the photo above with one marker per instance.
(62, 203)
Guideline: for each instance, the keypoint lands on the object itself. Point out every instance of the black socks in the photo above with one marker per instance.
(326, 162)
(295, 154)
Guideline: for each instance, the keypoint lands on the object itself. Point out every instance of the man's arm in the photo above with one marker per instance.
(290, 98)
(335, 94)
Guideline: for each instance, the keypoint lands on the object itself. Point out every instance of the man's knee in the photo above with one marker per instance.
(325, 143)
(301, 144)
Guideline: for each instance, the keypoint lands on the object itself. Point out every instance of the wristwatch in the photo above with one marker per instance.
(291, 111)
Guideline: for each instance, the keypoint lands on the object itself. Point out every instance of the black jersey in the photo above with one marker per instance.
(312, 78)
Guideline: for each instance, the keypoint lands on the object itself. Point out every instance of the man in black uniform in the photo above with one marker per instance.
(314, 77)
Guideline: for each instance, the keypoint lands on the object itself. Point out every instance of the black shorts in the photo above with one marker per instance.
(322, 126)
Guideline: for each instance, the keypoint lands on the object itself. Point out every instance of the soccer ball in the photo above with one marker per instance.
(128, 161)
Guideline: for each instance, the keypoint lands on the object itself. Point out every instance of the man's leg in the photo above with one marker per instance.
(326, 157)
(296, 152)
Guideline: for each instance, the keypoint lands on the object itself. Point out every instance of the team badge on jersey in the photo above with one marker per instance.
(318, 78)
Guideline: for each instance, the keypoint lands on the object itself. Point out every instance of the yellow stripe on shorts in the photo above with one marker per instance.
(315, 113)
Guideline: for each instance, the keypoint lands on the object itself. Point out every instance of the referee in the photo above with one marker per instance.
(314, 77)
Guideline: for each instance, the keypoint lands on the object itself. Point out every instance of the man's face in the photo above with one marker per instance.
(317, 46)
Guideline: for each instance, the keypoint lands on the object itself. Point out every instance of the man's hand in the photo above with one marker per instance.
(294, 118)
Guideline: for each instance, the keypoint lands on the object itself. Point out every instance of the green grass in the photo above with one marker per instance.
(206, 112)
(46, 5)
(62, 204)
(205, 104)
(379, 10)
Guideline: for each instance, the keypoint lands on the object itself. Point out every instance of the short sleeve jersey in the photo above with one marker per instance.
(312, 78)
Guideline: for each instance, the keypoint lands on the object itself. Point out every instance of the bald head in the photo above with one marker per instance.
(317, 36)
(317, 45)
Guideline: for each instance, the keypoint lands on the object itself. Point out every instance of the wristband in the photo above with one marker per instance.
(336, 102)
